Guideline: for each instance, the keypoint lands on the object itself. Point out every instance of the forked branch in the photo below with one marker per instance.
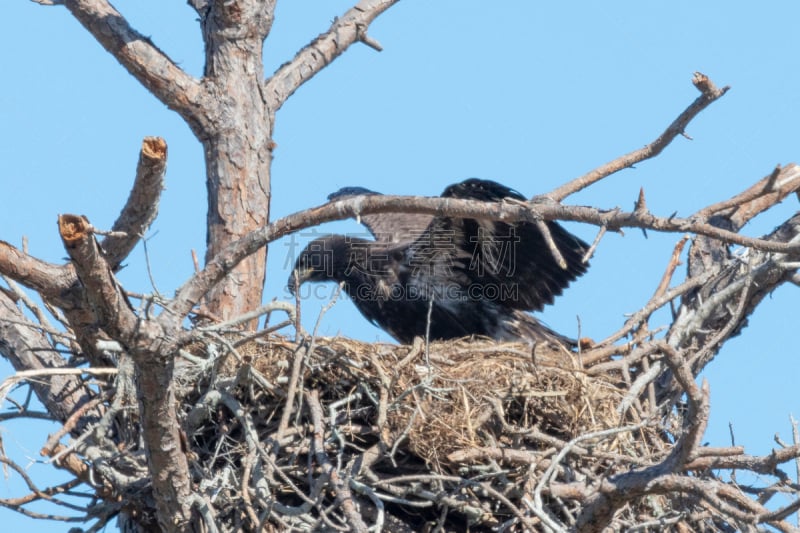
(345, 30)
(151, 349)
(111, 308)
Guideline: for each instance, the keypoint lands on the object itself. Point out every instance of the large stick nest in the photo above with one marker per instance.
(449, 436)
(459, 396)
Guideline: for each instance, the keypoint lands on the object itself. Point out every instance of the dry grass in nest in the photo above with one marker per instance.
(466, 427)
(460, 395)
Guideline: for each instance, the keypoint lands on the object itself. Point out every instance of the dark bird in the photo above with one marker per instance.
(448, 277)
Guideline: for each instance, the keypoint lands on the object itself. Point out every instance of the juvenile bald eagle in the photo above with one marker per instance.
(471, 277)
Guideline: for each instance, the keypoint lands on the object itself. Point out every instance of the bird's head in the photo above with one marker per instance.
(345, 192)
(315, 263)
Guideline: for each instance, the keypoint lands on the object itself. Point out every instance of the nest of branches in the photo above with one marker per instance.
(449, 397)
(331, 433)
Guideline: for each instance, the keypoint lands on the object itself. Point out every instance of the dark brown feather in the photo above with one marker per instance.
(472, 277)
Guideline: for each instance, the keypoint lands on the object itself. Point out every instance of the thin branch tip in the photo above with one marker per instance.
(345, 30)
(708, 87)
(641, 203)
(710, 93)
(366, 39)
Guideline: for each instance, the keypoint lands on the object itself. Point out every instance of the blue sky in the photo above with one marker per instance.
(530, 94)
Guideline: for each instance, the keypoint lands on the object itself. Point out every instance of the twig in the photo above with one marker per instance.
(428, 331)
(343, 496)
(733, 459)
(245, 488)
(297, 367)
(52, 441)
(195, 261)
(674, 261)
(710, 93)
(590, 252)
(347, 29)
(642, 380)
(263, 333)
(369, 41)
(639, 316)
(25, 375)
(38, 494)
(35, 309)
(39, 327)
(148, 267)
(551, 245)
(327, 307)
(298, 322)
(286, 307)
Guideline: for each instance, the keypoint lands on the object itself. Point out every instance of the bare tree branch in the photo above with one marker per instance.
(28, 349)
(157, 72)
(345, 30)
(698, 410)
(767, 464)
(710, 93)
(151, 349)
(141, 208)
(106, 298)
(707, 319)
(340, 486)
(722, 497)
(757, 190)
(197, 286)
(58, 285)
(48, 494)
(41, 276)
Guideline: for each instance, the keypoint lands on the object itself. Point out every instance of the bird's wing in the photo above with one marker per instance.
(388, 228)
(510, 262)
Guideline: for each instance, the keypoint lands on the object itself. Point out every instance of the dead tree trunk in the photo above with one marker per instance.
(237, 142)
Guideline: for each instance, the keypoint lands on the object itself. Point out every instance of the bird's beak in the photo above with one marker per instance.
(296, 278)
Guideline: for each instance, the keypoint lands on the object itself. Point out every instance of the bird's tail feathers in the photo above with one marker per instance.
(523, 326)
